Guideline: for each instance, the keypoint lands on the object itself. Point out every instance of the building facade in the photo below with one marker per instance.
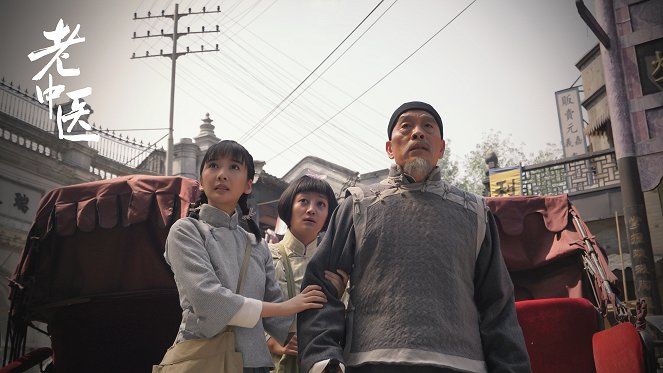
(622, 79)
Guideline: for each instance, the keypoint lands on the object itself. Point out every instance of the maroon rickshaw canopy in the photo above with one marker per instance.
(93, 270)
(543, 249)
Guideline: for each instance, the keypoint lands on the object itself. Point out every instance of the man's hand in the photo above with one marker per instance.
(291, 347)
(340, 280)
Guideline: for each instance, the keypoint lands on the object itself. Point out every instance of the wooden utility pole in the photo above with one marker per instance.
(173, 57)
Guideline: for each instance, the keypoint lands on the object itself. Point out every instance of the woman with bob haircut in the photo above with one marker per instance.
(306, 207)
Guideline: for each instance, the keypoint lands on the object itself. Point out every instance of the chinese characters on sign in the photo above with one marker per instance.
(57, 53)
(504, 182)
(570, 122)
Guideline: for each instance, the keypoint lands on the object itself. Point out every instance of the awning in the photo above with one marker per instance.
(599, 117)
(597, 125)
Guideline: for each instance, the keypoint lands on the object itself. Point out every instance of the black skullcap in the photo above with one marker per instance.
(414, 105)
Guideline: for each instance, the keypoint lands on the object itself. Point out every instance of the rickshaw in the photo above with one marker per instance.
(93, 271)
(563, 290)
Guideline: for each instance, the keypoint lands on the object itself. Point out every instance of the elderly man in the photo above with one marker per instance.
(430, 291)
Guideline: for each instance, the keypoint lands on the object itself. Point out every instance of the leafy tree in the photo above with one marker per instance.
(552, 151)
(508, 154)
(449, 167)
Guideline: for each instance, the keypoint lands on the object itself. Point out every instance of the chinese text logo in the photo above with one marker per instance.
(57, 52)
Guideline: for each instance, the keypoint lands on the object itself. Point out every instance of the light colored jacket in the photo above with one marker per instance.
(205, 256)
(299, 256)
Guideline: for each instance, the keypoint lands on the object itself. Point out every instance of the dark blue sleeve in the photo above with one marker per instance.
(321, 332)
(501, 337)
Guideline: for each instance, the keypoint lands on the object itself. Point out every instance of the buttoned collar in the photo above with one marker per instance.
(217, 217)
(397, 176)
(292, 244)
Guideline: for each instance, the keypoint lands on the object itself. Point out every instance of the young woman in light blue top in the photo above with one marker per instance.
(206, 259)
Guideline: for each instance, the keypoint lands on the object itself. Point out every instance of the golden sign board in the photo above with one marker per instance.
(505, 182)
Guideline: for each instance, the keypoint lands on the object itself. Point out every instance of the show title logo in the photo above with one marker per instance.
(52, 92)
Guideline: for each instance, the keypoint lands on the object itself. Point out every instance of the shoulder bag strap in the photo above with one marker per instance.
(245, 265)
(289, 277)
(242, 273)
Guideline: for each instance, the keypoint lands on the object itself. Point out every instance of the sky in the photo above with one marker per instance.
(484, 65)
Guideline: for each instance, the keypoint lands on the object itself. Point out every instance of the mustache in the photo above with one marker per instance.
(418, 145)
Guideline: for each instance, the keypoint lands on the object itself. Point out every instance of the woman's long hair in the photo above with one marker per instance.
(235, 151)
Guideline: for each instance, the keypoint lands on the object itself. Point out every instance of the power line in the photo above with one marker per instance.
(264, 124)
(311, 73)
(286, 55)
(203, 83)
(376, 83)
(303, 108)
(258, 16)
(367, 148)
(255, 57)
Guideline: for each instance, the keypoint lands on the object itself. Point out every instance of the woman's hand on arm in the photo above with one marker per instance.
(311, 297)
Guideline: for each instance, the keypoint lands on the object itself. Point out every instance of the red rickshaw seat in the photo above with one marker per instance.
(558, 334)
(619, 349)
(563, 335)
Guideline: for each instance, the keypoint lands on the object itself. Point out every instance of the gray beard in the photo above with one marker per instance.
(418, 168)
